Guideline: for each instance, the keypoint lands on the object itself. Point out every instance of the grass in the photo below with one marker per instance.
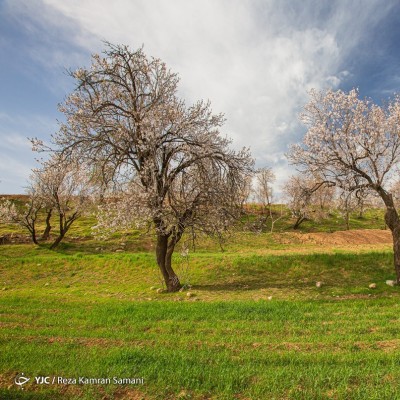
(255, 326)
(221, 350)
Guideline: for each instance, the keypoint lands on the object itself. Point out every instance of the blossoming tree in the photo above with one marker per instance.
(65, 188)
(169, 161)
(354, 144)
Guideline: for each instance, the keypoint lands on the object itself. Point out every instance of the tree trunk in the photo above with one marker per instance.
(46, 233)
(396, 252)
(33, 235)
(347, 218)
(58, 240)
(393, 222)
(63, 230)
(164, 251)
(298, 222)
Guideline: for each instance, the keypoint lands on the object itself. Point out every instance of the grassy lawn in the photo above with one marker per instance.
(221, 350)
(255, 326)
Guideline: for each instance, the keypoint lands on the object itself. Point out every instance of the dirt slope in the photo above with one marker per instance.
(352, 237)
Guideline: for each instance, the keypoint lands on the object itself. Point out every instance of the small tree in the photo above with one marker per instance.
(25, 216)
(63, 187)
(353, 144)
(263, 194)
(305, 199)
(352, 201)
(173, 165)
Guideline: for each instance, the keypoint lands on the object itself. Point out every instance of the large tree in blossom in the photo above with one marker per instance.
(354, 144)
(169, 162)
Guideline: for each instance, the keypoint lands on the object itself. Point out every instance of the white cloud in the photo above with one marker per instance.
(255, 60)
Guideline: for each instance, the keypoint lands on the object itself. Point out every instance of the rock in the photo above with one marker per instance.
(318, 284)
(390, 283)
(269, 297)
(98, 249)
(189, 294)
(159, 290)
(372, 286)
(119, 251)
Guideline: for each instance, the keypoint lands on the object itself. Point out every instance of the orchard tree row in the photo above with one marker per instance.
(131, 144)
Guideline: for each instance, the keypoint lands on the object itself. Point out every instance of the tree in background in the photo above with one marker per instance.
(263, 194)
(306, 200)
(169, 162)
(353, 144)
(351, 201)
(55, 187)
(25, 216)
(65, 188)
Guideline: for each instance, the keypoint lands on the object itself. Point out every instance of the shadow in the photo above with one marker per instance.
(246, 285)
(17, 394)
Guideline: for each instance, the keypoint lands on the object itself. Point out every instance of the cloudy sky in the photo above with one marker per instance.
(254, 60)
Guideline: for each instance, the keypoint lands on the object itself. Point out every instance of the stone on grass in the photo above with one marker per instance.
(390, 283)
(372, 286)
(119, 250)
(159, 290)
(318, 284)
(189, 294)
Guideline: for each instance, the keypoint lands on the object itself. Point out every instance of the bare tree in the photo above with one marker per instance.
(263, 193)
(353, 144)
(171, 162)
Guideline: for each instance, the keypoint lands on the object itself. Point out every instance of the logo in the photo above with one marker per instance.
(20, 380)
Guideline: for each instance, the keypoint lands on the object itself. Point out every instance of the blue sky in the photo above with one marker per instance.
(254, 60)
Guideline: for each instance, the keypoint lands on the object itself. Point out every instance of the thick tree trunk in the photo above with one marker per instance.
(393, 222)
(164, 251)
(396, 252)
(46, 233)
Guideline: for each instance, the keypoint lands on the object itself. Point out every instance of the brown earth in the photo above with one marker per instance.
(351, 237)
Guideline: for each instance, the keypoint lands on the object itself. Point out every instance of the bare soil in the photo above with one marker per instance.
(351, 237)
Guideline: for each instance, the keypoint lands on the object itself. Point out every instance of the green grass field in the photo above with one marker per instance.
(254, 326)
